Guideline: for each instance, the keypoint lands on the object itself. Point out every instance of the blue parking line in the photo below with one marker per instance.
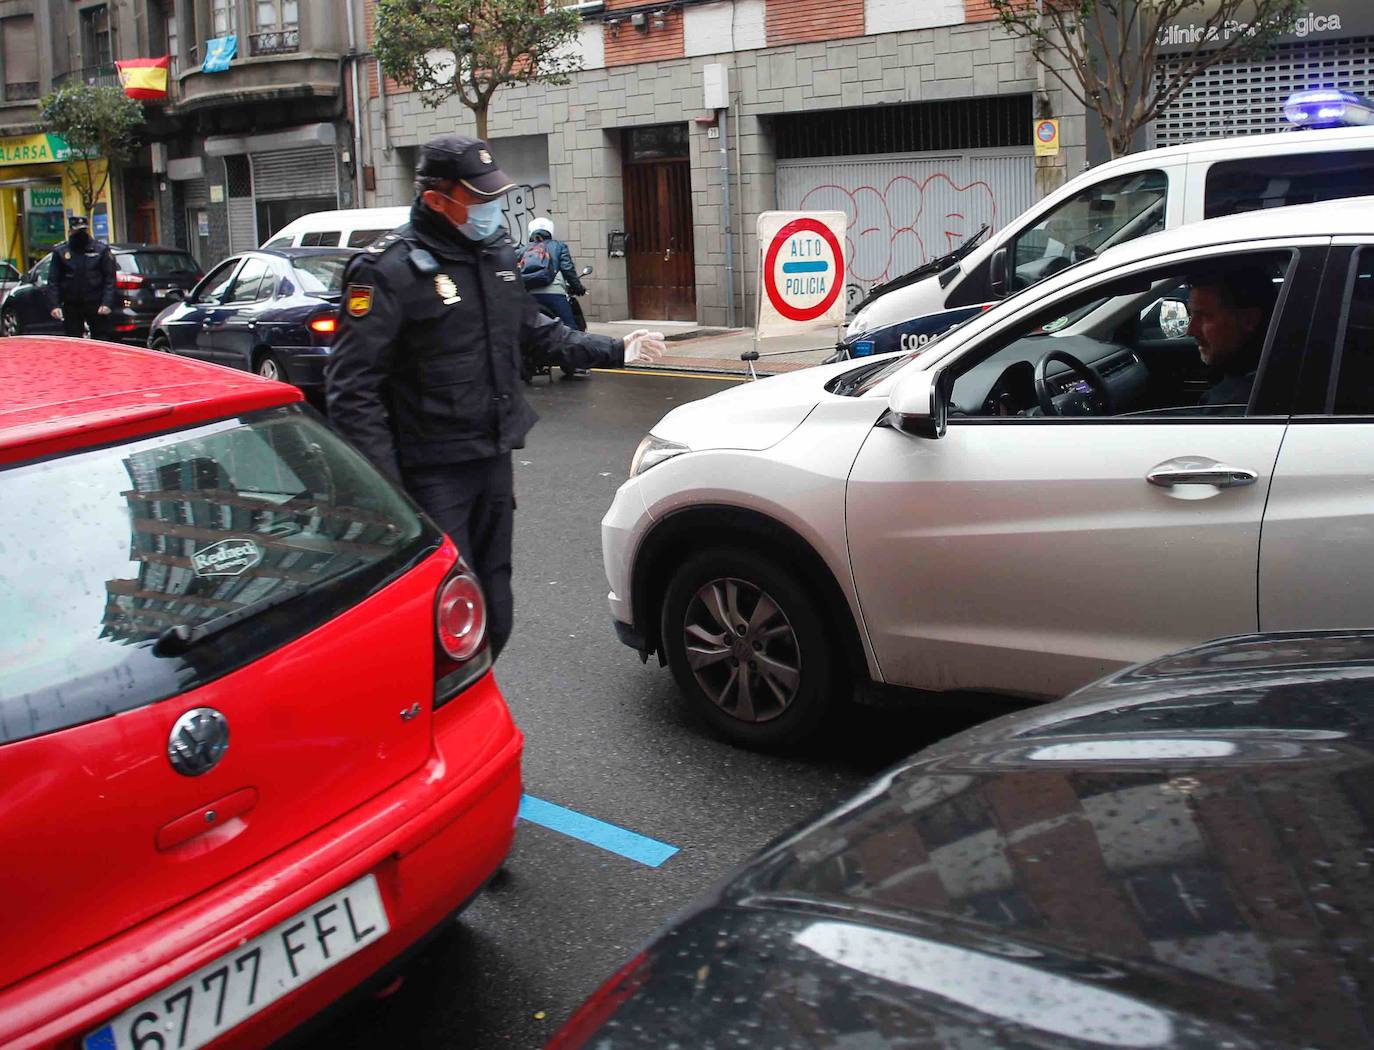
(641, 848)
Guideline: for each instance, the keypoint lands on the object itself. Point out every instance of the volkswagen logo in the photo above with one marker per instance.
(198, 741)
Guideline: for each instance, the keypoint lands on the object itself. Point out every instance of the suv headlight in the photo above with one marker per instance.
(652, 451)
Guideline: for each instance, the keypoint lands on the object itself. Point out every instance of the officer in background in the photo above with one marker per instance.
(81, 283)
(424, 375)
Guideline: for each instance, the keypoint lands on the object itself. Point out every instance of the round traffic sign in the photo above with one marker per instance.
(803, 270)
(1047, 131)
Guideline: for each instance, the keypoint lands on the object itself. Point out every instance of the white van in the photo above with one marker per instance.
(1111, 204)
(350, 228)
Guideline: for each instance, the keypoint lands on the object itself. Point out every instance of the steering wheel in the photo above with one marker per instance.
(1096, 401)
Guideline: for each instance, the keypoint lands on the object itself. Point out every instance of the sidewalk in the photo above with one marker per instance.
(692, 348)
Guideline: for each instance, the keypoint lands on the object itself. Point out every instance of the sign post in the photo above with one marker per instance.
(801, 272)
(1047, 138)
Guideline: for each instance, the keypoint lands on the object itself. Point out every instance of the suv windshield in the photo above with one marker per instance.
(120, 544)
(1100, 216)
(156, 264)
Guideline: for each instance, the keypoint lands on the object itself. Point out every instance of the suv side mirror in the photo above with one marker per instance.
(1174, 319)
(997, 273)
(919, 403)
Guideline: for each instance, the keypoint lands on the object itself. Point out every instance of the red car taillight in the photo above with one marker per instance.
(461, 655)
(324, 325)
(129, 280)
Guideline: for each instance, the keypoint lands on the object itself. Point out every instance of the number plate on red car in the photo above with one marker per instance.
(234, 987)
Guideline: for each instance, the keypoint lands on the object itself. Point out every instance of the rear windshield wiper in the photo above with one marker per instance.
(176, 640)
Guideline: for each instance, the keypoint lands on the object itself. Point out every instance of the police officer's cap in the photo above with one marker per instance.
(465, 161)
(78, 222)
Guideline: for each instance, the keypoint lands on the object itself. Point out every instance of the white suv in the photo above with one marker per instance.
(1055, 489)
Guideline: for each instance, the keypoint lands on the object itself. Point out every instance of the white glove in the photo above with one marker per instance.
(644, 345)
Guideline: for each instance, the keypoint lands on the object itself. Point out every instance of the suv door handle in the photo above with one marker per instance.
(1196, 470)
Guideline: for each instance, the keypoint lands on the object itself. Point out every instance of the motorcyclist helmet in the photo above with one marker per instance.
(544, 226)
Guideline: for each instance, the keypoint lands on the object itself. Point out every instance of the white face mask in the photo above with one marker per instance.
(484, 219)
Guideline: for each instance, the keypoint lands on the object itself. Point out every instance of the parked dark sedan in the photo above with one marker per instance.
(1177, 856)
(270, 312)
(148, 277)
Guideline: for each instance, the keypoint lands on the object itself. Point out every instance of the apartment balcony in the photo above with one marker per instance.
(284, 41)
(95, 76)
(24, 91)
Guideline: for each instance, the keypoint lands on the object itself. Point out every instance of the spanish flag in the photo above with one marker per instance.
(144, 78)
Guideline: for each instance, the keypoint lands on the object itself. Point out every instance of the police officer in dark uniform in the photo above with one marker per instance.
(424, 374)
(81, 283)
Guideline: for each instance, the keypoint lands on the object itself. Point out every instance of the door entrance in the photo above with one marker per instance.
(658, 217)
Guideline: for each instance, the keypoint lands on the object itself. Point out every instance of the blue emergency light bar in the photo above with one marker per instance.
(1328, 108)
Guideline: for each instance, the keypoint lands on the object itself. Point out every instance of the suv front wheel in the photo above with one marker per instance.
(748, 648)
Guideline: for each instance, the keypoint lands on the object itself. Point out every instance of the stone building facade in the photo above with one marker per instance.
(914, 118)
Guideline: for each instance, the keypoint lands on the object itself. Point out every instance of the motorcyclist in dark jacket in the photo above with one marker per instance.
(564, 281)
(81, 283)
(424, 374)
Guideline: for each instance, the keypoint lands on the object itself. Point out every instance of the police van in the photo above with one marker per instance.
(349, 228)
(1332, 157)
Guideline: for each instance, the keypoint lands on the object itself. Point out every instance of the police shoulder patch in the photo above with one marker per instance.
(359, 300)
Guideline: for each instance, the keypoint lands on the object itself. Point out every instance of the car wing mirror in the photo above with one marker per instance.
(28, 278)
(919, 403)
(997, 273)
(1174, 318)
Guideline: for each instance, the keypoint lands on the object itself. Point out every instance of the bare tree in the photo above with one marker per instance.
(1107, 49)
(470, 48)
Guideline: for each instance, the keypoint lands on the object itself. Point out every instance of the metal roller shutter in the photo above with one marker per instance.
(283, 174)
(243, 225)
(906, 209)
(243, 218)
(1245, 97)
(195, 193)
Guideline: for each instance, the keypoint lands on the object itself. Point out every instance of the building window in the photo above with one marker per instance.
(275, 26)
(20, 56)
(163, 38)
(95, 37)
(223, 18)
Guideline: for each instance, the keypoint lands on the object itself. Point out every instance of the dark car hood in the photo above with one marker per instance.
(1189, 838)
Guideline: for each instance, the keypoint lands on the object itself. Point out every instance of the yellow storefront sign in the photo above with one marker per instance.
(33, 149)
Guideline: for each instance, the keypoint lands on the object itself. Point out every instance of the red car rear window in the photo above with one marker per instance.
(143, 570)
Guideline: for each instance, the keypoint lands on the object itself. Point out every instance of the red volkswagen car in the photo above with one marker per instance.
(250, 746)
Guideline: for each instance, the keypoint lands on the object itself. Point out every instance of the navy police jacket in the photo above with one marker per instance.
(82, 274)
(425, 369)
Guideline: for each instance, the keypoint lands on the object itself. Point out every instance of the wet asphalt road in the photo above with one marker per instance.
(606, 736)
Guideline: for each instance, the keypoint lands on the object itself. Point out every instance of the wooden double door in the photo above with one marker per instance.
(658, 218)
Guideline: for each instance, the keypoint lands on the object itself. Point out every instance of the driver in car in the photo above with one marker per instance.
(1228, 317)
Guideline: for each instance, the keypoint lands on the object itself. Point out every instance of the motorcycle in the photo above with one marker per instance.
(537, 363)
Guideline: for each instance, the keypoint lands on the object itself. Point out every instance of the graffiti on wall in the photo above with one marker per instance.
(896, 227)
(526, 202)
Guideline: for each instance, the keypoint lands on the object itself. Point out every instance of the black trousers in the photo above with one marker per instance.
(474, 503)
(76, 316)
